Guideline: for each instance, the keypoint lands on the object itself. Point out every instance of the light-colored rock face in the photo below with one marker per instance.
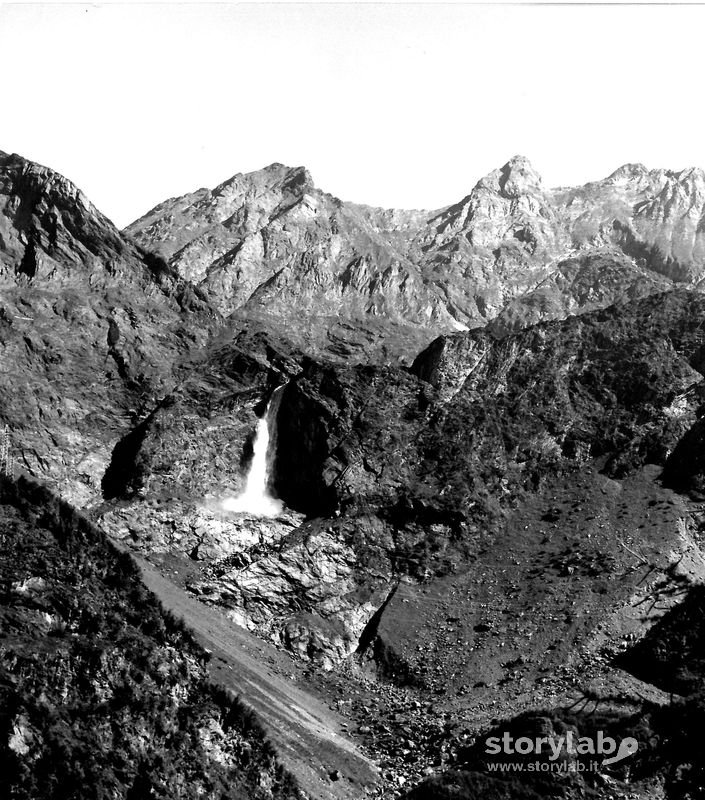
(269, 242)
(450, 360)
(316, 573)
(509, 203)
(654, 215)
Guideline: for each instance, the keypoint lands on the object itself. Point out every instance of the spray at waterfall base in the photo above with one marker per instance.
(257, 498)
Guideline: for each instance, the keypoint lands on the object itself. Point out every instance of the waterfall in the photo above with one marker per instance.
(256, 497)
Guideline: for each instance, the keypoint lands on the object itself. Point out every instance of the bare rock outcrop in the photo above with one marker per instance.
(270, 242)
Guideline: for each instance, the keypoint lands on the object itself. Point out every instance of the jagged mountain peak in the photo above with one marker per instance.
(693, 176)
(284, 169)
(515, 178)
(518, 176)
(274, 177)
(507, 206)
(24, 178)
(47, 223)
(636, 172)
(628, 172)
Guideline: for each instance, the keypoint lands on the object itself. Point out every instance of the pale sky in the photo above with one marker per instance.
(387, 104)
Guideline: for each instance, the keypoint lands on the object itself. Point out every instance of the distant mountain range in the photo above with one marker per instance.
(270, 242)
(350, 280)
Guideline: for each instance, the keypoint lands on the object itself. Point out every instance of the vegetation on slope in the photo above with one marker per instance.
(102, 693)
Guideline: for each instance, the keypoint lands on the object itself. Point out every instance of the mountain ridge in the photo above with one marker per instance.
(287, 248)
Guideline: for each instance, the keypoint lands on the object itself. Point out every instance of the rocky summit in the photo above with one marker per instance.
(487, 452)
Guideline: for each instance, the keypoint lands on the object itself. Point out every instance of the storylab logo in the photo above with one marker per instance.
(566, 753)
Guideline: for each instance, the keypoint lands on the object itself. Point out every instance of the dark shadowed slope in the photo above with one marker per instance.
(103, 693)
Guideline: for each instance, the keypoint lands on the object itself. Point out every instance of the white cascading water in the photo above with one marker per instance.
(256, 498)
